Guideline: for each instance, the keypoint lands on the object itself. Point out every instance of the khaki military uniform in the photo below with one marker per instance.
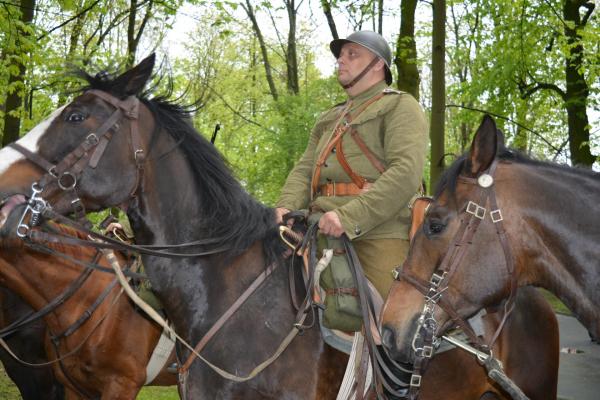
(395, 130)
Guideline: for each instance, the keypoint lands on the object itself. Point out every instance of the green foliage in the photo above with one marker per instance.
(498, 51)
(259, 137)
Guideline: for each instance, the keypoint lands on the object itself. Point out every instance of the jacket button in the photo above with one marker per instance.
(333, 150)
(325, 165)
(357, 230)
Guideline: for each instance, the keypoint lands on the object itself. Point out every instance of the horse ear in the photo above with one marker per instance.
(132, 82)
(486, 143)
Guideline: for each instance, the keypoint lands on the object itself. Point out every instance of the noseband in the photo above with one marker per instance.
(425, 340)
(66, 173)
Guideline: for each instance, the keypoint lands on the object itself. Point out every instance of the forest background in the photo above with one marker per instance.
(261, 70)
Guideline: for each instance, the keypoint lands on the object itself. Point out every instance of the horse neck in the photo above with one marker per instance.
(38, 279)
(558, 236)
(13, 280)
(171, 213)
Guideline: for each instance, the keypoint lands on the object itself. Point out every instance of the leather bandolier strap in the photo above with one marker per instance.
(341, 127)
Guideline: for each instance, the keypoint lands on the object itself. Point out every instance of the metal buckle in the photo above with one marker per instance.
(476, 210)
(436, 279)
(52, 172)
(64, 186)
(496, 216)
(138, 154)
(415, 380)
(77, 206)
(35, 205)
(92, 139)
(396, 274)
(427, 351)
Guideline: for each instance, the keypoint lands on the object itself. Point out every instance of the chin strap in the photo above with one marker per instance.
(360, 76)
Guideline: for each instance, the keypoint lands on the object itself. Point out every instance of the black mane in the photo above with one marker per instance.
(450, 176)
(228, 212)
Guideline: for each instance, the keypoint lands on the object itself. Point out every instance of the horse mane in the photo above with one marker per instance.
(227, 211)
(450, 176)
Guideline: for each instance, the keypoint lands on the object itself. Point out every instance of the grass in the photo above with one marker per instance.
(8, 391)
(556, 304)
(158, 393)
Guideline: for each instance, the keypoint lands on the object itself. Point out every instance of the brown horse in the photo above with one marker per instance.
(107, 353)
(177, 189)
(34, 383)
(525, 223)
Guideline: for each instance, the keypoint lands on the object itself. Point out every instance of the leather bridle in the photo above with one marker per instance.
(65, 174)
(426, 338)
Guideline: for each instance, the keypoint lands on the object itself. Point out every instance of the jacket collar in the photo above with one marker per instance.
(367, 94)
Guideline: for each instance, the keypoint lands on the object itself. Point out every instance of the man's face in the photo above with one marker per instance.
(352, 60)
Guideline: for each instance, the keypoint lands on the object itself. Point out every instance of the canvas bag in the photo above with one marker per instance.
(342, 305)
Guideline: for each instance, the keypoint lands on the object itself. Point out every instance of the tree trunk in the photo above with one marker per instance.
(380, 17)
(131, 45)
(16, 83)
(263, 48)
(406, 50)
(577, 91)
(133, 37)
(291, 53)
(330, 21)
(438, 92)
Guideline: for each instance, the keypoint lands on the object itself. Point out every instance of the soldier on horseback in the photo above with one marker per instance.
(364, 160)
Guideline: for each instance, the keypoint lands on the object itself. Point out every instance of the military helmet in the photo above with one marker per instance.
(372, 41)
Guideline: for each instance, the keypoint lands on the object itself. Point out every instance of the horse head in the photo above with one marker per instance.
(85, 153)
(441, 265)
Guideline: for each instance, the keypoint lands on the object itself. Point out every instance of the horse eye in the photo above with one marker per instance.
(434, 226)
(76, 117)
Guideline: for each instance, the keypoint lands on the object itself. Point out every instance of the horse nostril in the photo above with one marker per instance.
(388, 338)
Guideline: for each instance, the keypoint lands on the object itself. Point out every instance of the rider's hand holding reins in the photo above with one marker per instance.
(279, 213)
(330, 224)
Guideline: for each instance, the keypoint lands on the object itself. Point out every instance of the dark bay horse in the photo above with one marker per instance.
(525, 223)
(106, 355)
(34, 383)
(177, 189)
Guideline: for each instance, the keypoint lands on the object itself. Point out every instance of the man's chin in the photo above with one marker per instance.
(343, 81)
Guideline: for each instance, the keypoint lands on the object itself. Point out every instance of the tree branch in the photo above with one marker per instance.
(509, 120)
(236, 112)
(590, 9)
(85, 10)
(540, 86)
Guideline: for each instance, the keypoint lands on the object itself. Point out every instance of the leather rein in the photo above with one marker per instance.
(426, 340)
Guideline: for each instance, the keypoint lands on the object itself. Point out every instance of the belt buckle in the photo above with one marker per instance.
(333, 194)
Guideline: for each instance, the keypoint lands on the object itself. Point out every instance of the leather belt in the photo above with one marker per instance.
(342, 189)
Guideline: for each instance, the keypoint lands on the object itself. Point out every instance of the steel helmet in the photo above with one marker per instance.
(372, 41)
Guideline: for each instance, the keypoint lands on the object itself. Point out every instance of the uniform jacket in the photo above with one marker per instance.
(395, 130)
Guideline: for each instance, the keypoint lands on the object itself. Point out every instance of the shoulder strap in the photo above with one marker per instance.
(368, 153)
(336, 136)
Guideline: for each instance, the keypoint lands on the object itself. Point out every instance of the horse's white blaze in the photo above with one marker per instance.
(9, 156)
